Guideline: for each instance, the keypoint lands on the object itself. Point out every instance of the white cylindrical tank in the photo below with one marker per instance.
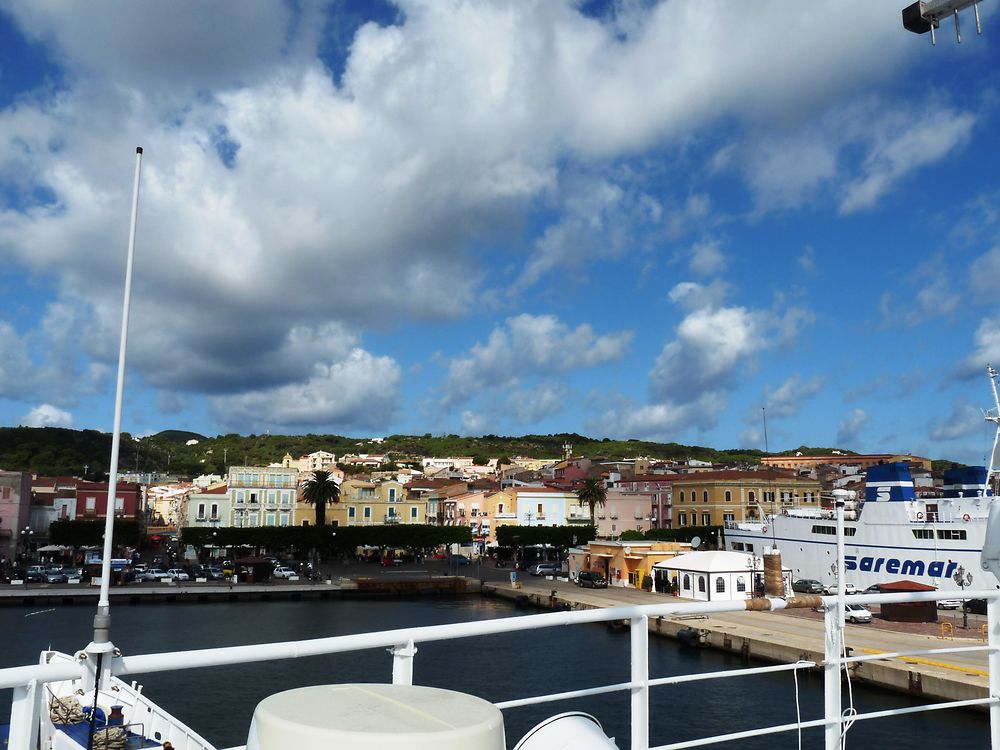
(375, 717)
(569, 731)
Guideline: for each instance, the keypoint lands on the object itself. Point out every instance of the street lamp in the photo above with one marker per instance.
(963, 579)
(26, 534)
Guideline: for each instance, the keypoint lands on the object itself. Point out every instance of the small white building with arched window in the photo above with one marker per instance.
(713, 576)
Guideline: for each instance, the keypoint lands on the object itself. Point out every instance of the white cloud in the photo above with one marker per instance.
(787, 398)
(474, 423)
(532, 405)
(850, 427)
(17, 372)
(707, 258)
(358, 393)
(46, 415)
(530, 345)
(964, 420)
(661, 421)
(691, 296)
(987, 348)
(984, 272)
(807, 259)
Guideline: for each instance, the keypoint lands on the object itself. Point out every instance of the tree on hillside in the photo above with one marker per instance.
(592, 493)
(319, 490)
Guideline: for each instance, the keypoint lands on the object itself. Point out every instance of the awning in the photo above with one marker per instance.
(600, 554)
(52, 548)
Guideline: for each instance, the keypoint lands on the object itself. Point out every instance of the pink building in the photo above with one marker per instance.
(15, 512)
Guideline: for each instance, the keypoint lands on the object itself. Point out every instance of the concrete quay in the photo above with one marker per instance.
(790, 635)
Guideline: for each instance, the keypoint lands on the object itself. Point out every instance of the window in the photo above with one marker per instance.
(808, 496)
(728, 517)
(215, 510)
(392, 494)
(499, 507)
(704, 496)
(769, 496)
(240, 498)
(119, 504)
(91, 504)
(923, 533)
(283, 519)
(737, 546)
(741, 584)
(682, 519)
(706, 519)
(201, 510)
(832, 530)
(253, 498)
(269, 519)
(352, 512)
(720, 585)
(752, 496)
(951, 534)
(701, 584)
(368, 513)
(541, 511)
(682, 496)
(413, 512)
(687, 582)
(729, 496)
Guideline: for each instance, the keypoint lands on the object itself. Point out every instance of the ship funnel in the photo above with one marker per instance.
(970, 481)
(889, 482)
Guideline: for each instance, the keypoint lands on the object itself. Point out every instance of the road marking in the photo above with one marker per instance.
(930, 663)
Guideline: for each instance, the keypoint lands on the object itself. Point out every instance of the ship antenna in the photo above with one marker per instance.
(994, 416)
(102, 620)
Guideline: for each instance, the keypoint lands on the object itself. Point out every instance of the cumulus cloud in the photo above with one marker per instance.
(850, 427)
(660, 421)
(807, 259)
(987, 348)
(690, 295)
(707, 258)
(16, 369)
(530, 345)
(46, 415)
(984, 272)
(964, 420)
(531, 405)
(358, 393)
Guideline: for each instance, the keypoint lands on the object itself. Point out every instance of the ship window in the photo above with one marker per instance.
(923, 533)
(951, 534)
(832, 530)
(737, 546)
(720, 585)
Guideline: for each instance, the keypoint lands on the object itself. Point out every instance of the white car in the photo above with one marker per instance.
(949, 603)
(178, 574)
(284, 572)
(856, 613)
(849, 588)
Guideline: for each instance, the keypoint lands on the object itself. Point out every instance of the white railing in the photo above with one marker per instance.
(402, 644)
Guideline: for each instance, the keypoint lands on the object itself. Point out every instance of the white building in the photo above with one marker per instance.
(209, 508)
(713, 576)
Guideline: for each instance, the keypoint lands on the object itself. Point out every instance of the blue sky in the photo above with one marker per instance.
(625, 219)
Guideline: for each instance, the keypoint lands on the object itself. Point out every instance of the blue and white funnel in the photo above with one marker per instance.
(889, 483)
(967, 482)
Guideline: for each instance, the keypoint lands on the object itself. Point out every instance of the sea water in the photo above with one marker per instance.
(218, 702)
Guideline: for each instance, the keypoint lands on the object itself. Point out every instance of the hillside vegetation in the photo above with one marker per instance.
(56, 451)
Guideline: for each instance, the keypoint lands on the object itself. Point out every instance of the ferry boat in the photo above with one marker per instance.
(892, 534)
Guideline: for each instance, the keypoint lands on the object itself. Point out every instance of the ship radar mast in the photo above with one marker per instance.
(993, 415)
(926, 15)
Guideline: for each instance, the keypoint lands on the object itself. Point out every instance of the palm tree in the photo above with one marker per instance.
(319, 490)
(592, 493)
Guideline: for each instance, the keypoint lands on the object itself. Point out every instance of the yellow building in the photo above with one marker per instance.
(798, 463)
(623, 563)
(368, 503)
(712, 498)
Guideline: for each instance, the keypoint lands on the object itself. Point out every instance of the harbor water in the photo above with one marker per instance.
(218, 702)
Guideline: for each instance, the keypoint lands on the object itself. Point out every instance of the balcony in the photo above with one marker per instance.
(392, 519)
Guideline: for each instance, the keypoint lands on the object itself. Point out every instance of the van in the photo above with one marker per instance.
(592, 580)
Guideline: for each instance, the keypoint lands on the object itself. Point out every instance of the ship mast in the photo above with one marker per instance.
(993, 415)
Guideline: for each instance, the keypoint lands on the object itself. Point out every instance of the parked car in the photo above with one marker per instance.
(949, 603)
(152, 574)
(178, 574)
(807, 586)
(459, 559)
(55, 575)
(213, 573)
(875, 588)
(284, 572)
(592, 580)
(856, 613)
(849, 588)
(195, 571)
(35, 574)
(545, 569)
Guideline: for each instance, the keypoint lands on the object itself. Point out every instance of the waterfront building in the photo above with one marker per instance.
(622, 563)
(92, 501)
(713, 498)
(52, 499)
(542, 506)
(799, 463)
(431, 465)
(262, 495)
(713, 575)
(367, 503)
(656, 491)
(15, 512)
(208, 508)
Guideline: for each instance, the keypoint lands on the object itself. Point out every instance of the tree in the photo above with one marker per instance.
(593, 494)
(319, 490)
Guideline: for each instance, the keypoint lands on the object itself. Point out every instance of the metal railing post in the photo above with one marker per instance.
(639, 692)
(402, 663)
(993, 660)
(831, 679)
(24, 716)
